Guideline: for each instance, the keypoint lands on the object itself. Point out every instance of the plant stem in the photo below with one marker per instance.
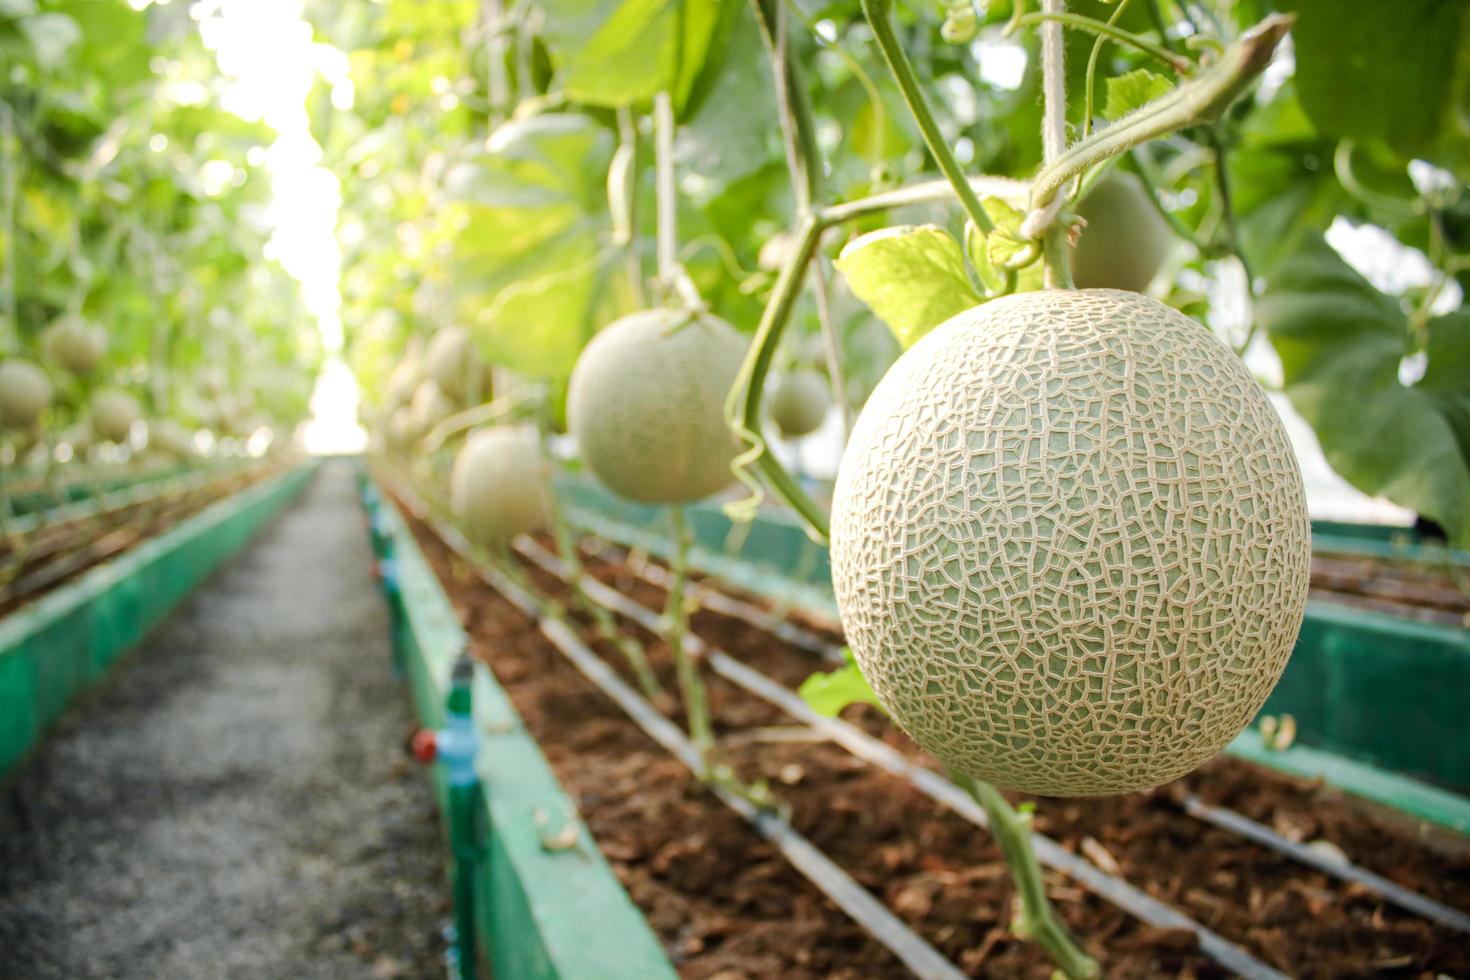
(798, 134)
(1088, 83)
(1036, 921)
(1058, 264)
(497, 85)
(1178, 63)
(627, 221)
(605, 625)
(1201, 99)
(676, 623)
(667, 239)
(876, 12)
(742, 405)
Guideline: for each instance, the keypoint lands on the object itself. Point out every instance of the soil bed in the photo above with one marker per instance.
(53, 555)
(1431, 593)
(939, 872)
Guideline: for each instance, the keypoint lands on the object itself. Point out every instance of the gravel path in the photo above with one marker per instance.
(235, 801)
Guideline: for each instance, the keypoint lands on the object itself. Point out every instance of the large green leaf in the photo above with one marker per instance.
(531, 272)
(1368, 69)
(913, 278)
(621, 52)
(1341, 343)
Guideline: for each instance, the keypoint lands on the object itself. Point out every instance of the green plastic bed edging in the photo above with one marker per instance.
(540, 912)
(1379, 700)
(56, 648)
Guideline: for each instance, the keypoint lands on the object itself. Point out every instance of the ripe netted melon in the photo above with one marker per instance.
(453, 363)
(75, 345)
(1070, 543)
(497, 488)
(25, 392)
(800, 402)
(113, 414)
(646, 405)
(1126, 239)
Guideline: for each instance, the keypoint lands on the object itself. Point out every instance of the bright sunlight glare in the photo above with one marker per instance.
(265, 49)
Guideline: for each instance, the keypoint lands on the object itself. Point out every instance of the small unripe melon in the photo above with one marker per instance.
(646, 405)
(453, 363)
(800, 402)
(400, 428)
(497, 488)
(1070, 543)
(403, 380)
(170, 438)
(1126, 239)
(25, 392)
(77, 346)
(429, 407)
(113, 414)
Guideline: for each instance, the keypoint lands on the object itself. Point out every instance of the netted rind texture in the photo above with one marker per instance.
(646, 405)
(497, 488)
(1070, 543)
(800, 402)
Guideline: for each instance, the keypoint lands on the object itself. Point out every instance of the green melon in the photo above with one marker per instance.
(646, 405)
(1125, 241)
(25, 392)
(800, 402)
(497, 488)
(169, 438)
(1070, 543)
(76, 346)
(453, 363)
(113, 414)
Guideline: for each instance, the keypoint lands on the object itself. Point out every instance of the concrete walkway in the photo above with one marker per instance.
(235, 801)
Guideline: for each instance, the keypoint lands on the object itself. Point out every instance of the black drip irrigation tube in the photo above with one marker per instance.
(1220, 817)
(1118, 892)
(826, 875)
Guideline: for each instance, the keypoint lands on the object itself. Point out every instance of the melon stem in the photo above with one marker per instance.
(676, 622)
(1036, 920)
(603, 622)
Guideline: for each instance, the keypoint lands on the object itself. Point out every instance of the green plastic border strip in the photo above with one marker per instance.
(1377, 725)
(58, 647)
(1409, 796)
(541, 913)
(29, 501)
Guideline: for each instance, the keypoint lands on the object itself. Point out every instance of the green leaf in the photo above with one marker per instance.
(530, 273)
(1341, 342)
(1006, 241)
(1130, 91)
(52, 37)
(827, 694)
(912, 277)
(730, 133)
(1373, 70)
(621, 52)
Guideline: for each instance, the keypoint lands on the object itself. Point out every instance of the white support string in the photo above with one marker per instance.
(1054, 112)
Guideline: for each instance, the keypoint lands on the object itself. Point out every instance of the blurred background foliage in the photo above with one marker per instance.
(130, 198)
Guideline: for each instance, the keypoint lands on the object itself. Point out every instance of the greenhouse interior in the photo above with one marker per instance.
(734, 489)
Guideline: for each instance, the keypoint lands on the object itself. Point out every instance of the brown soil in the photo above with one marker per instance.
(726, 905)
(32, 566)
(1433, 593)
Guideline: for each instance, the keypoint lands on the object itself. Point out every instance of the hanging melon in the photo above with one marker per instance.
(1070, 543)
